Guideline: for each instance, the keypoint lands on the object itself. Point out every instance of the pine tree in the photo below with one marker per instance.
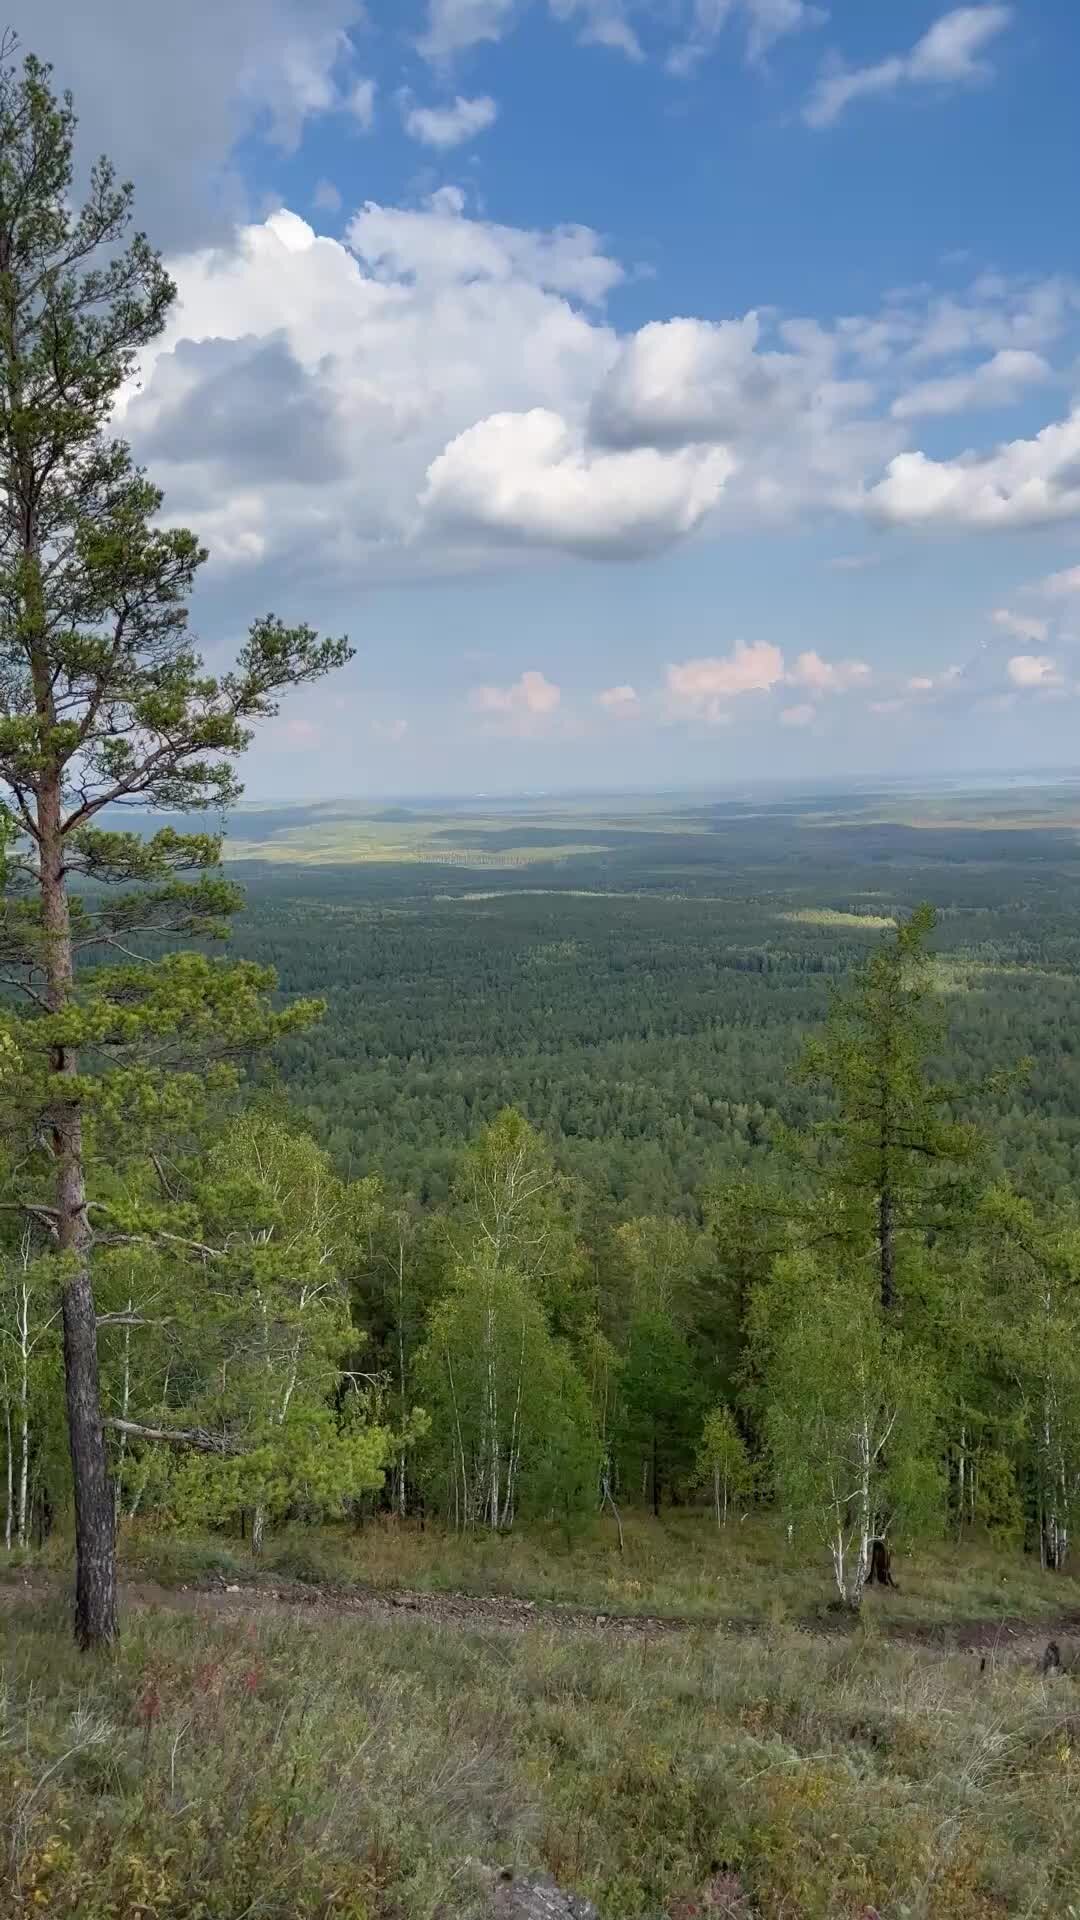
(104, 701)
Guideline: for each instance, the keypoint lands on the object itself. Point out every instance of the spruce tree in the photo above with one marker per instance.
(104, 702)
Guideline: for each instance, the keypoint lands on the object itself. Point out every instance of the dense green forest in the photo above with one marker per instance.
(645, 1008)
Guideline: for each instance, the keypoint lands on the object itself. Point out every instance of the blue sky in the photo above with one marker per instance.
(657, 391)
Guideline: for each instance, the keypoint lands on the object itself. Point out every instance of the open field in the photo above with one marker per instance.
(511, 835)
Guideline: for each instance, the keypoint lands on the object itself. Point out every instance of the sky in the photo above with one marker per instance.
(658, 392)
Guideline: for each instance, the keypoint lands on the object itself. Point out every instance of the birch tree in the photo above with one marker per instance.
(510, 1421)
(104, 702)
(29, 1371)
(1033, 1280)
(722, 1461)
(849, 1414)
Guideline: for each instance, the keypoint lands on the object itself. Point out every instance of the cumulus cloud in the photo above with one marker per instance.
(435, 390)
(167, 91)
(825, 676)
(531, 478)
(451, 125)
(1022, 626)
(949, 54)
(1059, 586)
(793, 420)
(1025, 483)
(525, 708)
(681, 380)
(702, 688)
(621, 700)
(1034, 670)
(994, 383)
(705, 688)
(438, 244)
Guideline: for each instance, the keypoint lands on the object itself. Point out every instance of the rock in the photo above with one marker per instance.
(533, 1896)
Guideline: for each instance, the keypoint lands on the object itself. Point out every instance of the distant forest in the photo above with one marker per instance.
(645, 1008)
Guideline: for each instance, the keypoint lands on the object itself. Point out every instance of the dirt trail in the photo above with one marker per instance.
(308, 1605)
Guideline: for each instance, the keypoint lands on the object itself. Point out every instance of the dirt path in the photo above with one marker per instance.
(307, 1605)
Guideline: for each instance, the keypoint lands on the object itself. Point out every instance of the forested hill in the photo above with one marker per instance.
(644, 1002)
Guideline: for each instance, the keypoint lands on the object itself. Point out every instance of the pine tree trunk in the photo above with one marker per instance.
(95, 1558)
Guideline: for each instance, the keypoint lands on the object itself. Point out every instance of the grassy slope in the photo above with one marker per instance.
(272, 1768)
(257, 1764)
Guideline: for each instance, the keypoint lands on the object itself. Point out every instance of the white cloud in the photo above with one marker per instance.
(1059, 586)
(449, 126)
(920, 683)
(948, 55)
(765, 22)
(530, 478)
(326, 198)
(621, 700)
(392, 731)
(361, 104)
(853, 562)
(438, 245)
(994, 383)
(439, 391)
(702, 688)
(1021, 626)
(789, 414)
(1025, 483)
(454, 25)
(167, 91)
(603, 23)
(824, 676)
(525, 708)
(1034, 670)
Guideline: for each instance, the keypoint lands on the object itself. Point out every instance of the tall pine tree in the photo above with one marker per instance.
(103, 701)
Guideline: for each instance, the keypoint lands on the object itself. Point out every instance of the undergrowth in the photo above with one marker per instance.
(228, 1769)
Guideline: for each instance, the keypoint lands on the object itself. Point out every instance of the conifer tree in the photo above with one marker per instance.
(893, 1147)
(104, 702)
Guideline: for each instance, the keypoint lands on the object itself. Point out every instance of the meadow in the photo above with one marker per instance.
(240, 1754)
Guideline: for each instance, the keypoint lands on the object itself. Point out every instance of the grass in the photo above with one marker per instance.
(680, 1567)
(228, 1769)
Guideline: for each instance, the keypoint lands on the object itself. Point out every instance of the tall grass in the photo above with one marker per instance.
(302, 1767)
